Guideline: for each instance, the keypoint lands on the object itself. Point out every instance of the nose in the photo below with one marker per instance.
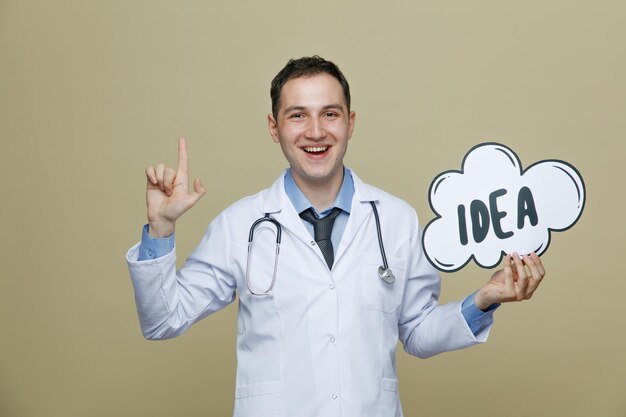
(315, 130)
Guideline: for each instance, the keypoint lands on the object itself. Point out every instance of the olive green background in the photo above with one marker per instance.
(92, 92)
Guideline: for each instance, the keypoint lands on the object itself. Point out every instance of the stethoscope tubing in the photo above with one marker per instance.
(266, 218)
(383, 271)
(380, 236)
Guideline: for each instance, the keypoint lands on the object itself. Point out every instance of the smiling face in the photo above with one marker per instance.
(313, 126)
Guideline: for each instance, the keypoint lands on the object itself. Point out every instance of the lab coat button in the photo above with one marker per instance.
(332, 339)
(334, 396)
(331, 286)
(312, 243)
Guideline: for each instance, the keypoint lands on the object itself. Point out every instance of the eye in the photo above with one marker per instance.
(331, 114)
(296, 116)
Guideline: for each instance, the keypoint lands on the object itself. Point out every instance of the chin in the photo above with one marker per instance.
(321, 177)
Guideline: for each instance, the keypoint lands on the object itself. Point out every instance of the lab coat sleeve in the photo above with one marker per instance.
(427, 328)
(170, 301)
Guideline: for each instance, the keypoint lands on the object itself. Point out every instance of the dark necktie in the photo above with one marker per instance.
(322, 229)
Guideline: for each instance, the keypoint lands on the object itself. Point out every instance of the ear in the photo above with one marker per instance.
(272, 126)
(351, 121)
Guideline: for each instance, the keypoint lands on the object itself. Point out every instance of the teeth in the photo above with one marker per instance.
(315, 148)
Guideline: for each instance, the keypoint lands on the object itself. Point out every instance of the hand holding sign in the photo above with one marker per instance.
(512, 283)
(493, 207)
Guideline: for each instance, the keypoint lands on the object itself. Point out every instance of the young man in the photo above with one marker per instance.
(317, 326)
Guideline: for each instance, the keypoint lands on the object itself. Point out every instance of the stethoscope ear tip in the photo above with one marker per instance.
(386, 275)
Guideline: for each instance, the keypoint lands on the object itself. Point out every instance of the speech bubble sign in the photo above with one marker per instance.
(492, 207)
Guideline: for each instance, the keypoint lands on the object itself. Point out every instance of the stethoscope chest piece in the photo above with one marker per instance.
(386, 275)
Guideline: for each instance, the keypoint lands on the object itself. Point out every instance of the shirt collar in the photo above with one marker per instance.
(301, 203)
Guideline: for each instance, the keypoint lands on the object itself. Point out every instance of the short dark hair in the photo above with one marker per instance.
(306, 67)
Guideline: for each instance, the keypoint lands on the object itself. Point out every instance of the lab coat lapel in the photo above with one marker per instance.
(361, 210)
(277, 204)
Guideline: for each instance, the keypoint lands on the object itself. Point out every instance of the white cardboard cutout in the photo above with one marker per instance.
(493, 207)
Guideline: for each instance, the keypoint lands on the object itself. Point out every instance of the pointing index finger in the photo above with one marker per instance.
(183, 164)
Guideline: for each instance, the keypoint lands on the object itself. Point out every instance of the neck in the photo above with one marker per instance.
(321, 194)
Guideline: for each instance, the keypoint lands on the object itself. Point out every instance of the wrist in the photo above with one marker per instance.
(482, 301)
(160, 229)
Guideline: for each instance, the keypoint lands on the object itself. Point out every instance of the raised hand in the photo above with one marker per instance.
(167, 193)
(517, 281)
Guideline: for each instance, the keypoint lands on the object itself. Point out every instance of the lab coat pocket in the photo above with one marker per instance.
(390, 399)
(389, 384)
(260, 399)
(378, 294)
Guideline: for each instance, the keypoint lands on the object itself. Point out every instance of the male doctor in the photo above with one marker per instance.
(317, 326)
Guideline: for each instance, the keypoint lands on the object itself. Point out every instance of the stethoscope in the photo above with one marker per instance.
(384, 272)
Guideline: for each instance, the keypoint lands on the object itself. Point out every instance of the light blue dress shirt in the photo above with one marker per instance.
(343, 201)
(152, 248)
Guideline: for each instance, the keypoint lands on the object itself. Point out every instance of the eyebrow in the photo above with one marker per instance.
(326, 107)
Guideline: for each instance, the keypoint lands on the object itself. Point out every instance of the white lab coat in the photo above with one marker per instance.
(323, 343)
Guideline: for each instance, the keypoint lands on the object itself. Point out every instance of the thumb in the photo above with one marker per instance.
(198, 190)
